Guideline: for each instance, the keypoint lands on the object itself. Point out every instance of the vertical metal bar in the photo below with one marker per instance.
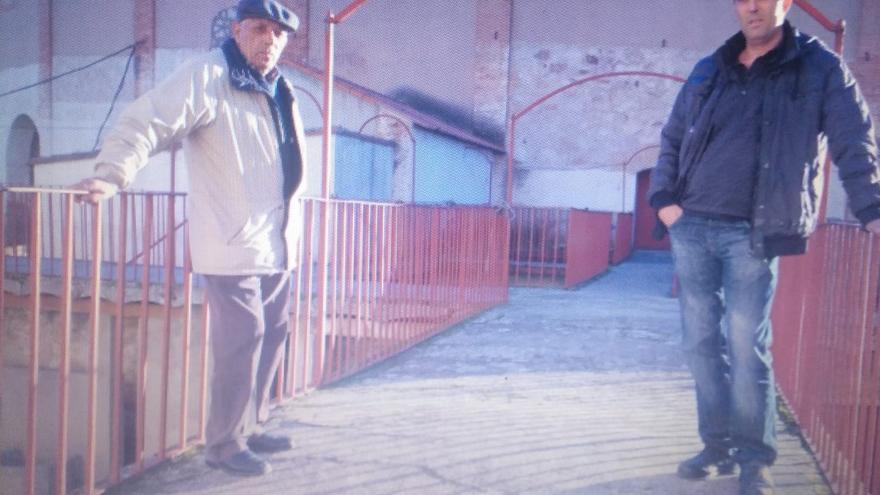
(369, 336)
(381, 287)
(203, 377)
(308, 341)
(347, 285)
(409, 295)
(141, 386)
(360, 280)
(296, 307)
(428, 254)
(393, 279)
(331, 371)
(94, 326)
(116, 428)
(375, 339)
(557, 222)
(166, 330)
(456, 258)
(416, 282)
(64, 338)
(531, 225)
(468, 254)
(50, 226)
(33, 379)
(186, 329)
(569, 275)
(4, 222)
(327, 169)
(544, 215)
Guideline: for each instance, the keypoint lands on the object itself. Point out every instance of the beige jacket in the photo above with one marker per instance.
(236, 204)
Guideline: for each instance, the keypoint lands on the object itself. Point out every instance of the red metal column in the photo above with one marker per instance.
(116, 369)
(141, 385)
(3, 223)
(64, 338)
(94, 323)
(166, 320)
(34, 375)
(186, 330)
(203, 378)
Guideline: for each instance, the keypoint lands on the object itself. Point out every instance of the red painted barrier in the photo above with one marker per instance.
(119, 278)
(589, 235)
(561, 247)
(826, 349)
(623, 238)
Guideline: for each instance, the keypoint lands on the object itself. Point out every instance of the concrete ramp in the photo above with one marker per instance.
(559, 392)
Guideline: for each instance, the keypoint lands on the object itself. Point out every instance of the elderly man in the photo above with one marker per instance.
(242, 138)
(737, 184)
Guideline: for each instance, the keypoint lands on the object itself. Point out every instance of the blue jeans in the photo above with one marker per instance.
(726, 296)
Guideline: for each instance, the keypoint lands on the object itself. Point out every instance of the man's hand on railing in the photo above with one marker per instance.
(97, 189)
(873, 226)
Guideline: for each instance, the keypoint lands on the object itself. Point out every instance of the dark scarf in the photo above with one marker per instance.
(244, 77)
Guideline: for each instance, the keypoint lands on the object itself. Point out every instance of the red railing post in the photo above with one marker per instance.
(64, 357)
(34, 375)
(94, 327)
(186, 328)
(143, 335)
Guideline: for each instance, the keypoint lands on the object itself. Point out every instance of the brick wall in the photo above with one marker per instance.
(491, 63)
(866, 66)
(145, 54)
(298, 47)
(45, 56)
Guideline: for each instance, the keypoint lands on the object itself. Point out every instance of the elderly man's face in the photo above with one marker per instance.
(760, 18)
(261, 41)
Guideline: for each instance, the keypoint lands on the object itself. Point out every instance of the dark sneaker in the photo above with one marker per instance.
(244, 463)
(755, 479)
(269, 444)
(700, 465)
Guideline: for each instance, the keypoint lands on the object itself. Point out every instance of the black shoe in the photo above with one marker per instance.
(697, 467)
(244, 463)
(269, 444)
(755, 479)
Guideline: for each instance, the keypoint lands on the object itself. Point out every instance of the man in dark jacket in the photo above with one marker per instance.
(737, 184)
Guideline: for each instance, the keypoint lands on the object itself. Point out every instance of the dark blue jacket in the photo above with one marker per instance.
(809, 96)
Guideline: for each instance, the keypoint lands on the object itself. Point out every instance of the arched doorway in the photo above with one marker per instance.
(22, 147)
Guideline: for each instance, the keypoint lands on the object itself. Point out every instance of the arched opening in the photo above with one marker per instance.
(21, 149)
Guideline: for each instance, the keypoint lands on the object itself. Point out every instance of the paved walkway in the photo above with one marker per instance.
(559, 392)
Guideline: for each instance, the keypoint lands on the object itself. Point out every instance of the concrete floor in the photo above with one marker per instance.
(558, 392)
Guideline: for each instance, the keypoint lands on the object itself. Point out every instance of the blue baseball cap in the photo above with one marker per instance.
(268, 9)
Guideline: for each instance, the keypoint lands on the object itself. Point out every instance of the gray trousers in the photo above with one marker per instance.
(249, 325)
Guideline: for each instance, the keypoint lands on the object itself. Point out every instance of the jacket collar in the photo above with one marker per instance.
(244, 77)
(790, 48)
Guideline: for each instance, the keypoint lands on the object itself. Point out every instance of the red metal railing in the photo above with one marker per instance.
(827, 347)
(397, 274)
(95, 350)
(118, 324)
(565, 247)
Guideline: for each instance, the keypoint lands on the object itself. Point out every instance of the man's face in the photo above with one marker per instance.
(261, 41)
(759, 19)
